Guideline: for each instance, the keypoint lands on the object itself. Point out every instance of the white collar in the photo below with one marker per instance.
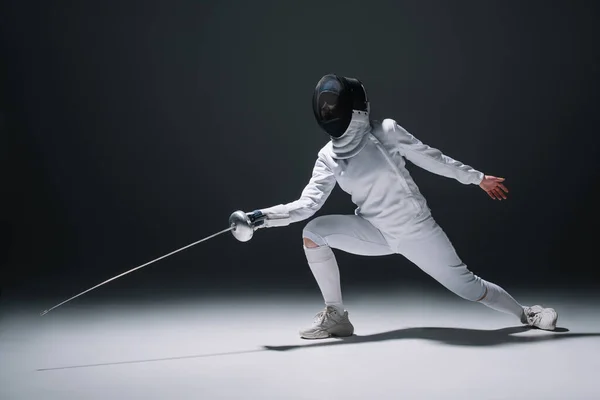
(355, 137)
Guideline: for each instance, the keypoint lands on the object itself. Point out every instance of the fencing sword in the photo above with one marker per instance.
(241, 225)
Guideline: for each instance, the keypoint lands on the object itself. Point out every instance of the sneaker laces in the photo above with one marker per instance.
(324, 315)
(533, 317)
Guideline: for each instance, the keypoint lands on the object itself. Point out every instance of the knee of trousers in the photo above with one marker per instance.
(315, 232)
(464, 283)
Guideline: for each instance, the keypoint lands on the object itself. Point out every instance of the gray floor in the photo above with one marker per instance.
(407, 346)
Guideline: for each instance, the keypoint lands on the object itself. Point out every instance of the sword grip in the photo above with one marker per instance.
(257, 218)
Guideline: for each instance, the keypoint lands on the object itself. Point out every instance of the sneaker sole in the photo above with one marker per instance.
(340, 330)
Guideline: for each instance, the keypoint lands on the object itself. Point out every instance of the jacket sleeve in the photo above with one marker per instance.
(431, 159)
(313, 197)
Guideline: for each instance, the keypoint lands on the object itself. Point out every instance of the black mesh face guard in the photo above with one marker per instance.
(334, 99)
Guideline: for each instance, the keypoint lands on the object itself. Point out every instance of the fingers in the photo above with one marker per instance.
(494, 188)
(493, 194)
(496, 194)
(499, 194)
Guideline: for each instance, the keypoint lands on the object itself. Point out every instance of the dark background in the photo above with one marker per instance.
(130, 129)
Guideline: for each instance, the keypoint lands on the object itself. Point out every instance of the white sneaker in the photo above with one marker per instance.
(327, 323)
(540, 317)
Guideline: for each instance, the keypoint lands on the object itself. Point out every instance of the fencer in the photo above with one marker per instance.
(366, 158)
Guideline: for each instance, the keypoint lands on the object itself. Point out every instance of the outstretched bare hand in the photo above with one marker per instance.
(493, 187)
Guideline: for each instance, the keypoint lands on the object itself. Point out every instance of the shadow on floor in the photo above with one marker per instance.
(449, 336)
(229, 353)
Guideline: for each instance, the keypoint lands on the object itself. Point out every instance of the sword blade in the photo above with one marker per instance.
(136, 268)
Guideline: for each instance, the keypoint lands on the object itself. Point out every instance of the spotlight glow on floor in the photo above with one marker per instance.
(407, 345)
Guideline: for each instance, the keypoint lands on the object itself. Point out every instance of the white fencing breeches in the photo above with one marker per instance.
(425, 244)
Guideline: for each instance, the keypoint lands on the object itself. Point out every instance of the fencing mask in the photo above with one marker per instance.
(334, 100)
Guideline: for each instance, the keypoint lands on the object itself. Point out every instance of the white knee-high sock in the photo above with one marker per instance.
(325, 269)
(499, 299)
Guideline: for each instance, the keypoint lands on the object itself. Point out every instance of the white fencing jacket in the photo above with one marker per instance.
(368, 163)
